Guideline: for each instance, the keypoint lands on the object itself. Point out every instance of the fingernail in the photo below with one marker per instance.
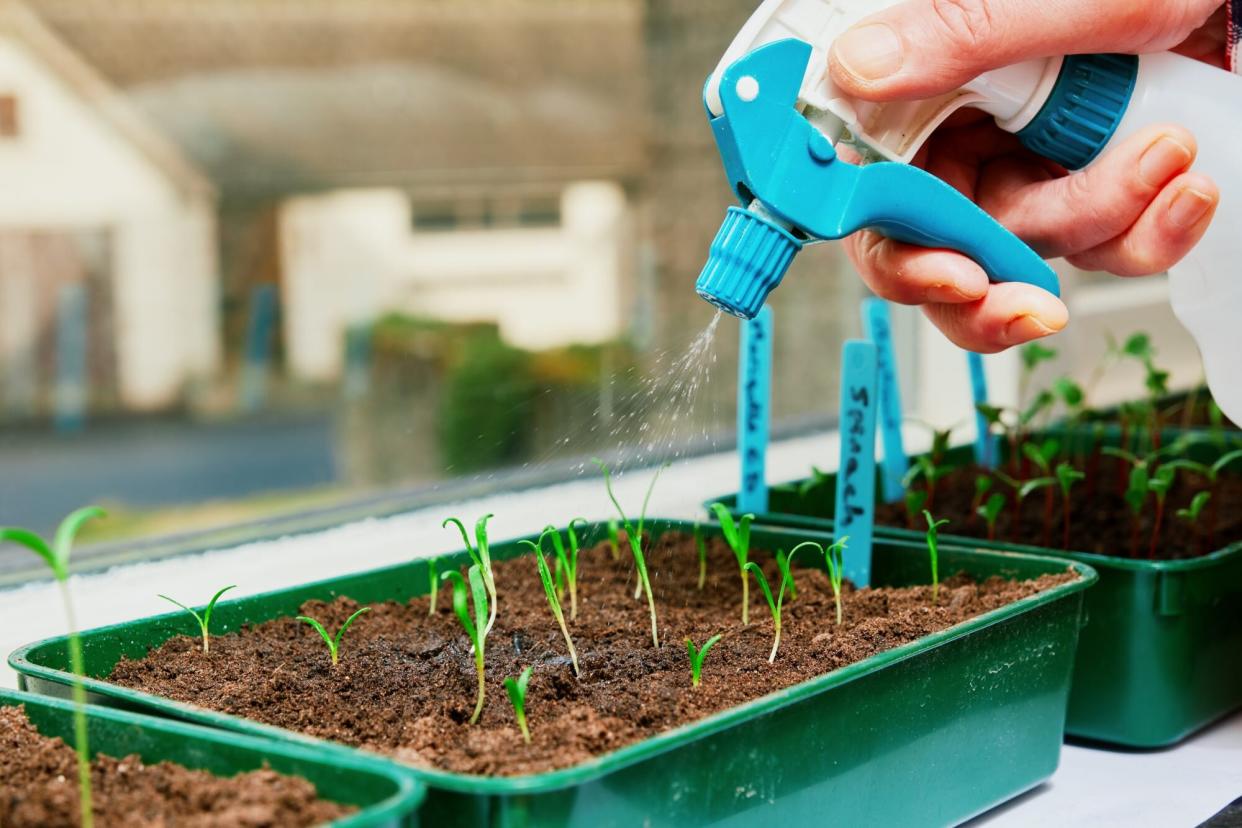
(869, 52)
(1165, 158)
(1189, 207)
(1024, 328)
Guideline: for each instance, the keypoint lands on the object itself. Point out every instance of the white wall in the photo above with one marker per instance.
(70, 169)
(351, 256)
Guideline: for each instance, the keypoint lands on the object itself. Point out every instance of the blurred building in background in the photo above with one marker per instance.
(108, 277)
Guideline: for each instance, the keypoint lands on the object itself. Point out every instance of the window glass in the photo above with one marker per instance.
(265, 258)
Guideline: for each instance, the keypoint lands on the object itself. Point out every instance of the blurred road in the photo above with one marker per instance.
(163, 462)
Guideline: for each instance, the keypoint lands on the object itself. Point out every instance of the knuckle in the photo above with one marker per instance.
(1160, 24)
(965, 24)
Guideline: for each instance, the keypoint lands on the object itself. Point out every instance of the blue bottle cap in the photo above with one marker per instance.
(1082, 112)
(747, 259)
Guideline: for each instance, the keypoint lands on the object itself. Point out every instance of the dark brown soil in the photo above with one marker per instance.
(406, 682)
(39, 789)
(1100, 519)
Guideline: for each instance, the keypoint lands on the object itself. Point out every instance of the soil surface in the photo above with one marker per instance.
(39, 789)
(1100, 519)
(406, 683)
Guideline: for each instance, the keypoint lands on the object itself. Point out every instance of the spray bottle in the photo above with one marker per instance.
(777, 118)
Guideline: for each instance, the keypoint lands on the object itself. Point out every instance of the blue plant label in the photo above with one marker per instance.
(754, 410)
(855, 507)
(878, 327)
(986, 447)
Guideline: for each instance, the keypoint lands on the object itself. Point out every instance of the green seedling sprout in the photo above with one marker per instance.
(931, 472)
(433, 579)
(482, 557)
(983, 485)
(990, 511)
(333, 641)
(56, 556)
(475, 630)
(549, 589)
(634, 534)
(614, 539)
(204, 620)
(516, 688)
(1191, 513)
(737, 535)
(774, 604)
(933, 551)
(834, 559)
(1067, 476)
(1212, 472)
(568, 566)
(697, 655)
(916, 499)
(1160, 484)
(818, 478)
(700, 545)
(1136, 491)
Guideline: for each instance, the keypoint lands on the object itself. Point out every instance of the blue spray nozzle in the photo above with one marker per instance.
(747, 259)
(775, 157)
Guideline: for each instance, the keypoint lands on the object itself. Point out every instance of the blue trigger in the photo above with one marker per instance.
(775, 156)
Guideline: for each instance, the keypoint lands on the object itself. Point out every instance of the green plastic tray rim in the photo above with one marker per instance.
(405, 800)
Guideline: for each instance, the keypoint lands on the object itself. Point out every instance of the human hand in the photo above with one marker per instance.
(1137, 210)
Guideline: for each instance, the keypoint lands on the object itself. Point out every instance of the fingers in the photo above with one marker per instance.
(912, 275)
(1009, 314)
(1164, 233)
(1067, 214)
(922, 48)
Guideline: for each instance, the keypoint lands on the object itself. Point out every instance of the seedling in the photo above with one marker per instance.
(1160, 484)
(773, 606)
(737, 535)
(549, 589)
(634, 534)
(931, 472)
(916, 499)
(204, 620)
(568, 564)
(56, 556)
(1067, 476)
(1191, 513)
(1032, 355)
(696, 658)
(614, 539)
(700, 545)
(990, 511)
(776, 605)
(1212, 473)
(834, 559)
(433, 579)
(933, 551)
(817, 479)
(983, 485)
(482, 557)
(475, 630)
(516, 688)
(333, 641)
(1033, 485)
(1137, 489)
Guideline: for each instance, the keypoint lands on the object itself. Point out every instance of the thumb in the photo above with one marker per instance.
(921, 48)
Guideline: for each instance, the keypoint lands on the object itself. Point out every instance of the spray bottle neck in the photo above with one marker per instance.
(1080, 111)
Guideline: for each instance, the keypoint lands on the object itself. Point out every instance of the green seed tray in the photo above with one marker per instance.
(1158, 658)
(385, 797)
(984, 699)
